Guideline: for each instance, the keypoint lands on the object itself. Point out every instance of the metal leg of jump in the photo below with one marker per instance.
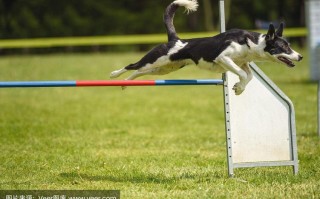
(225, 97)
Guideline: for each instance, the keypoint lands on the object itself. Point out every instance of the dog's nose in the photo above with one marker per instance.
(300, 57)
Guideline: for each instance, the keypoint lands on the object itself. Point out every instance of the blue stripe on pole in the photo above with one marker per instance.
(189, 82)
(37, 84)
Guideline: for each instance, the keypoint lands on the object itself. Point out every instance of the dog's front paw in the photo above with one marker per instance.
(238, 88)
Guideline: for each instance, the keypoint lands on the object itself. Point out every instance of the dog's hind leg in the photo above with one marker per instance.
(136, 74)
(151, 57)
(117, 73)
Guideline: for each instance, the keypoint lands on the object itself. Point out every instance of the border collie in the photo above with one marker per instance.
(228, 51)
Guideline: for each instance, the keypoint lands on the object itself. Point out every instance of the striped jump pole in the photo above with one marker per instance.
(92, 83)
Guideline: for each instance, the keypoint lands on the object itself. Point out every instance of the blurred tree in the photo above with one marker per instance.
(53, 18)
(208, 16)
(6, 10)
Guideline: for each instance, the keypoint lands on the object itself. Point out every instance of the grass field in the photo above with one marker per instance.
(148, 142)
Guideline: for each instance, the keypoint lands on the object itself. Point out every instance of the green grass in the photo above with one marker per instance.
(148, 142)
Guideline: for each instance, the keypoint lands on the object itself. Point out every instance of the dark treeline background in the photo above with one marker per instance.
(56, 18)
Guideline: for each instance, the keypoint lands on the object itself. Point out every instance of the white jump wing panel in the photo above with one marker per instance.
(260, 123)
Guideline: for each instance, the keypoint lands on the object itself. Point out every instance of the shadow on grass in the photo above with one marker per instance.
(141, 177)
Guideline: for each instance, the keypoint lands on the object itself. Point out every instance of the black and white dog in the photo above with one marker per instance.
(228, 51)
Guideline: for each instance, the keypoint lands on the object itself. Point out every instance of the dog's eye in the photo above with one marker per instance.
(272, 51)
(284, 47)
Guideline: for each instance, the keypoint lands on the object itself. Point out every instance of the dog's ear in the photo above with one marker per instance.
(280, 30)
(271, 33)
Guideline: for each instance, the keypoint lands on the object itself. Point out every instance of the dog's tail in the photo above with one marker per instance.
(190, 6)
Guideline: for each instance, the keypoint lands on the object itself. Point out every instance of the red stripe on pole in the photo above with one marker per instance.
(115, 83)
